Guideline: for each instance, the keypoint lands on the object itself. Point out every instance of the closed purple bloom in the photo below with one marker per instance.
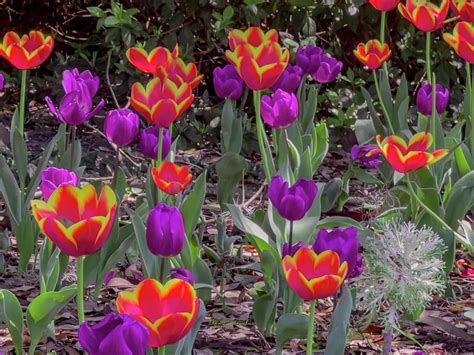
(2, 82)
(165, 232)
(149, 139)
(183, 274)
(279, 110)
(52, 178)
(359, 154)
(292, 202)
(74, 111)
(359, 268)
(424, 99)
(227, 82)
(328, 70)
(308, 58)
(85, 83)
(344, 242)
(290, 80)
(115, 334)
(121, 126)
(294, 248)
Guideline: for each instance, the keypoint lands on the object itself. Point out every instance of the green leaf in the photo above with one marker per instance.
(44, 308)
(336, 342)
(231, 129)
(229, 171)
(26, 235)
(379, 126)
(185, 346)
(10, 191)
(247, 225)
(140, 233)
(192, 206)
(290, 326)
(321, 145)
(203, 276)
(365, 176)
(310, 109)
(330, 194)
(338, 221)
(12, 315)
(20, 155)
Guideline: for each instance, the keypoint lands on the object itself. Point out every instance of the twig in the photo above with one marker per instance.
(253, 198)
(107, 77)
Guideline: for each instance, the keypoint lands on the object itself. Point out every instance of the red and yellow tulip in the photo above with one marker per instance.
(373, 53)
(462, 40)
(425, 15)
(159, 59)
(406, 158)
(258, 57)
(384, 5)
(76, 219)
(314, 276)
(464, 9)
(180, 73)
(171, 178)
(161, 102)
(168, 311)
(27, 51)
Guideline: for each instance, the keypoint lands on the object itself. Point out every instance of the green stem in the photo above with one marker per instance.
(433, 111)
(428, 56)
(117, 165)
(21, 123)
(159, 158)
(291, 238)
(384, 109)
(470, 97)
(383, 26)
(73, 147)
(309, 345)
(162, 350)
(80, 289)
(162, 269)
(435, 216)
(261, 134)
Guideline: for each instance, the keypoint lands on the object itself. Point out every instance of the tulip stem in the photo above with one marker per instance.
(383, 26)
(290, 239)
(73, 146)
(262, 142)
(80, 289)
(162, 269)
(428, 56)
(118, 158)
(470, 96)
(384, 109)
(21, 122)
(309, 344)
(159, 158)
(162, 350)
(465, 242)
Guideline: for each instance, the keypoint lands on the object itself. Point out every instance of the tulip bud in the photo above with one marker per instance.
(328, 70)
(290, 80)
(308, 58)
(52, 178)
(359, 154)
(183, 274)
(121, 126)
(294, 249)
(165, 232)
(2, 82)
(279, 110)
(424, 99)
(114, 334)
(149, 139)
(227, 82)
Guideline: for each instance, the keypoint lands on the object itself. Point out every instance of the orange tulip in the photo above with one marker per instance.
(162, 101)
(314, 276)
(159, 58)
(425, 15)
(464, 9)
(406, 158)
(258, 57)
(462, 40)
(27, 52)
(75, 219)
(168, 311)
(170, 178)
(373, 53)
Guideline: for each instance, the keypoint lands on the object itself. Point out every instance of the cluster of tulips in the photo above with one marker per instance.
(78, 219)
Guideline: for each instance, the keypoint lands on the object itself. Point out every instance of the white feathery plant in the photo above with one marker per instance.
(403, 269)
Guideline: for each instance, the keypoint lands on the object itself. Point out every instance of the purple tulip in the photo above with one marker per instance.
(328, 70)
(52, 178)
(74, 80)
(290, 80)
(424, 99)
(121, 126)
(292, 202)
(227, 82)
(2, 82)
(294, 248)
(72, 111)
(183, 274)
(360, 154)
(165, 232)
(308, 58)
(115, 334)
(279, 110)
(149, 139)
(346, 243)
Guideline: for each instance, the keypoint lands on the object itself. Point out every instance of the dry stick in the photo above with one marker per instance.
(109, 56)
(253, 198)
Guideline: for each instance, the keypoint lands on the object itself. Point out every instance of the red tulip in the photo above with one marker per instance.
(464, 9)
(170, 178)
(168, 311)
(75, 219)
(159, 57)
(384, 5)
(314, 276)
(27, 52)
(373, 53)
(406, 158)
(425, 15)
(462, 40)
